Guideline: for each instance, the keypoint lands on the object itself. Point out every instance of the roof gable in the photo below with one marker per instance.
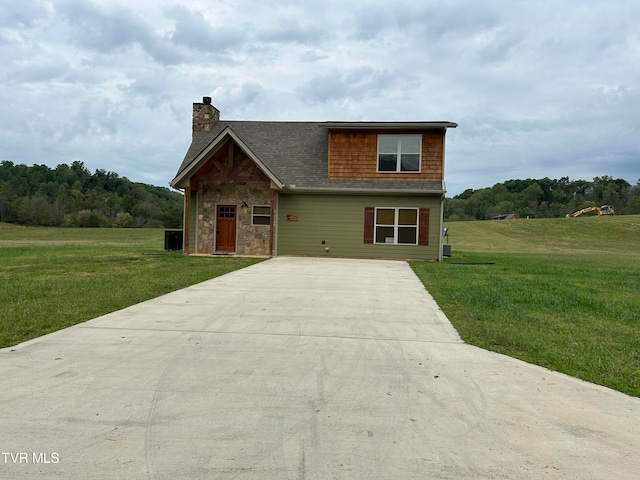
(193, 161)
(229, 163)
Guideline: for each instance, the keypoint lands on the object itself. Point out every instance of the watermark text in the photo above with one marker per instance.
(29, 457)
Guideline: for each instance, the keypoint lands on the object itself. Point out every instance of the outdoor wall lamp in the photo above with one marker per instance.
(244, 204)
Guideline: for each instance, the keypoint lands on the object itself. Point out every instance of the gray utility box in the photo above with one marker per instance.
(446, 250)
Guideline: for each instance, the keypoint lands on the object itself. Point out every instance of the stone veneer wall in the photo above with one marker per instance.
(250, 239)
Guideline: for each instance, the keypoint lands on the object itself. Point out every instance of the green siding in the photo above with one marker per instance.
(339, 221)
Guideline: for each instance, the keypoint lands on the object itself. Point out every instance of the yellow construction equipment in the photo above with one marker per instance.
(603, 210)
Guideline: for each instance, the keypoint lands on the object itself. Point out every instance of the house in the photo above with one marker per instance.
(345, 189)
(508, 216)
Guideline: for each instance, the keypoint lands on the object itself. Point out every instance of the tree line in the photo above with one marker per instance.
(543, 198)
(70, 195)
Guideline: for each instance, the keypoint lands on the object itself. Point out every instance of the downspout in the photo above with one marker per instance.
(444, 193)
(275, 201)
(440, 236)
(185, 220)
(272, 221)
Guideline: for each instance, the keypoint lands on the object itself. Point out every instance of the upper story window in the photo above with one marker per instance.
(399, 153)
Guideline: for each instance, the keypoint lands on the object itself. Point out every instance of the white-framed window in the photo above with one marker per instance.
(399, 153)
(261, 215)
(396, 226)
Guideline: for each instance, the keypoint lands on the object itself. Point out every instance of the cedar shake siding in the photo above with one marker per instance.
(353, 155)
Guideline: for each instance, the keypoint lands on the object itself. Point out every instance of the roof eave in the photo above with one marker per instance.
(362, 191)
(180, 180)
(388, 125)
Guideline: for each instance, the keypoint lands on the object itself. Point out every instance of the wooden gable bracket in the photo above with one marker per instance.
(233, 170)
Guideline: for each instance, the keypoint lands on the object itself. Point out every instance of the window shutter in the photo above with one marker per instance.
(423, 226)
(369, 213)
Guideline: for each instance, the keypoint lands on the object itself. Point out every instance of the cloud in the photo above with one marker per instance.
(22, 14)
(231, 42)
(36, 70)
(194, 31)
(102, 30)
(340, 86)
(429, 22)
(115, 29)
(293, 31)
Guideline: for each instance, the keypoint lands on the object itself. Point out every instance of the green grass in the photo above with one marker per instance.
(563, 293)
(53, 278)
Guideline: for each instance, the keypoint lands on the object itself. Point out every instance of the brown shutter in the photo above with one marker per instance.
(369, 213)
(423, 227)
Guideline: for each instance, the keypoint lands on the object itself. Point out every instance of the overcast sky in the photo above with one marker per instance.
(538, 88)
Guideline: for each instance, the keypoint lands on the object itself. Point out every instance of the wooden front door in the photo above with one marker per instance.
(226, 228)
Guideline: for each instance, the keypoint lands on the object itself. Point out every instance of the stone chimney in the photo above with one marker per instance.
(205, 115)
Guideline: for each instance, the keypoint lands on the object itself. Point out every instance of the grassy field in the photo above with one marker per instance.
(561, 293)
(52, 278)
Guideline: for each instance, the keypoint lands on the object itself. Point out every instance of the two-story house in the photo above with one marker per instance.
(345, 189)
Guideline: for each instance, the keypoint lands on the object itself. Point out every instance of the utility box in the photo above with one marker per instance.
(173, 239)
(446, 250)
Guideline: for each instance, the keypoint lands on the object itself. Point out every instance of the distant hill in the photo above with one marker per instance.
(543, 198)
(70, 195)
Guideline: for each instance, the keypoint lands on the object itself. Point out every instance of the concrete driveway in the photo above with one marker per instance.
(299, 368)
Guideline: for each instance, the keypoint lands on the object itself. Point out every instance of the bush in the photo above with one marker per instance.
(123, 220)
(86, 218)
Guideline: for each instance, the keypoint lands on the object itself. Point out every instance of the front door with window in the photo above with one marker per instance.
(226, 228)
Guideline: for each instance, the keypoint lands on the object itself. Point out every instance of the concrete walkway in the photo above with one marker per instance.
(299, 368)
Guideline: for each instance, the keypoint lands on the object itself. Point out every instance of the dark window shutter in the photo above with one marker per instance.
(369, 213)
(423, 227)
